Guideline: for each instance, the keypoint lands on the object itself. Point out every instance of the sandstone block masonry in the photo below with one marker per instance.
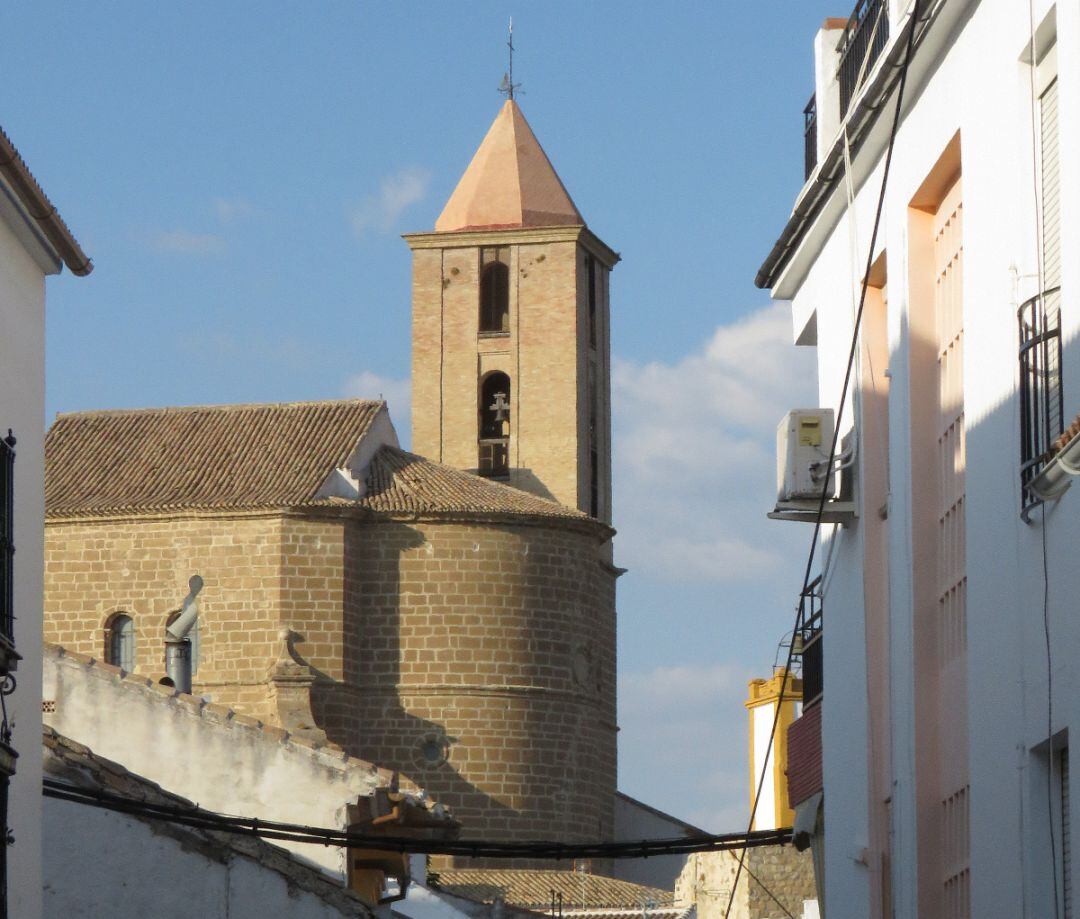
(556, 357)
(476, 657)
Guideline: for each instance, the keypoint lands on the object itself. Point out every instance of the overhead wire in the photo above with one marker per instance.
(1040, 270)
(198, 818)
(912, 24)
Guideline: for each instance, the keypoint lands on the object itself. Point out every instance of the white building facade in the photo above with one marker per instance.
(34, 243)
(949, 690)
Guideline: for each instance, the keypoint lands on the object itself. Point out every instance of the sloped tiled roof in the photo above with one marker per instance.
(404, 483)
(233, 457)
(509, 183)
(1066, 436)
(532, 889)
(73, 763)
(214, 456)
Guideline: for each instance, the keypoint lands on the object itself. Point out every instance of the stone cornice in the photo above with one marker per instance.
(461, 239)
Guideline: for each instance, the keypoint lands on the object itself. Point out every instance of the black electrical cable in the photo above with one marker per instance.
(912, 24)
(197, 818)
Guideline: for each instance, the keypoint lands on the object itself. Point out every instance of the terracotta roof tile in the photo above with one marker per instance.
(1067, 435)
(219, 456)
(404, 483)
(532, 888)
(231, 457)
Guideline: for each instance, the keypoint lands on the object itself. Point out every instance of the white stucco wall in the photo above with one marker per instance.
(100, 863)
(22, 409)
(972, 79)
(221, 761)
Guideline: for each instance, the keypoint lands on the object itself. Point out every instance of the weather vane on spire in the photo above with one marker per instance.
(508, 85)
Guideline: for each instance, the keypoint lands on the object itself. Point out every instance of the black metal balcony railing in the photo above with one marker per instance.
(864, 38)
(7, 538)
(1041, 397)
(810, 135)
(808, 648)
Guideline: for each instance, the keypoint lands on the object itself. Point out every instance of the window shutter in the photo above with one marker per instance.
(1051, 187)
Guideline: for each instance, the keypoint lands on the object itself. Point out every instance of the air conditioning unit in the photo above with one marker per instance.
(803, 440)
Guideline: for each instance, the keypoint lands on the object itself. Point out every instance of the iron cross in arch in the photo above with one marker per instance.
(501, 407)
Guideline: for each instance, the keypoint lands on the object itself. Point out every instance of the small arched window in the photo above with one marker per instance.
(120, 642)
(494, 440)
(192, 636)
(495, 298)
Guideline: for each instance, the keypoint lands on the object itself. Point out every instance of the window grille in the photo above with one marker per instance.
(7, 538)
(810, 137)
(1041, 397)
(865, 37)
(809, 649)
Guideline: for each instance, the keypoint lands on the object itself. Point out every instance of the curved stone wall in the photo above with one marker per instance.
(480, 662)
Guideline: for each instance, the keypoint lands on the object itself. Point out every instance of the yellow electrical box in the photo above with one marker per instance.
(809, 431)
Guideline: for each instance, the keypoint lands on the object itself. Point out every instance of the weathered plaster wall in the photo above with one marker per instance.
(209, 754)
(141, 872)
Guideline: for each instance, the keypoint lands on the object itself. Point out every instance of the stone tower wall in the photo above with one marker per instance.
(492, 646)
(140, 567)
(485, 672)
(546, 354)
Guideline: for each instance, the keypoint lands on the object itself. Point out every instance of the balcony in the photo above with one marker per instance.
(864, 38)
(810, 136)
(804, 735)
(1041, 405)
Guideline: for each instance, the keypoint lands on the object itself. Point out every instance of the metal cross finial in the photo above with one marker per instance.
(501, 407)
(508, 85)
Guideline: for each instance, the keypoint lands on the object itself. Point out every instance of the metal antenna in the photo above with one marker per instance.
(508, 85)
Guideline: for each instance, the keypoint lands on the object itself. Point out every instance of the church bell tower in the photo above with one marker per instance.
(511, 364)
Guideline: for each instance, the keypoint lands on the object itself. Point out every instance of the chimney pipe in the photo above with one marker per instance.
(178, 662)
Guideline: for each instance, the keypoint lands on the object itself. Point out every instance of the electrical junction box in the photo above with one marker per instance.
(803, 440)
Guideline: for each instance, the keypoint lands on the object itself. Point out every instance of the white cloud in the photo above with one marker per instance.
(682, 743)
(229, 209)
(396, 193)
(397, 393)
(187, 243)
(694, 452)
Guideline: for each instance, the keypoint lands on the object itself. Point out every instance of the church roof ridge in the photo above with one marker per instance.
(216, 407)
(272, 456)
(509, 183)
(229, 456)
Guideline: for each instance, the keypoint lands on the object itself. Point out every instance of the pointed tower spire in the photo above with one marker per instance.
(509, 183)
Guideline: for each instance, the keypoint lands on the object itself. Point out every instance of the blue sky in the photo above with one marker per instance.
(241, 173)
